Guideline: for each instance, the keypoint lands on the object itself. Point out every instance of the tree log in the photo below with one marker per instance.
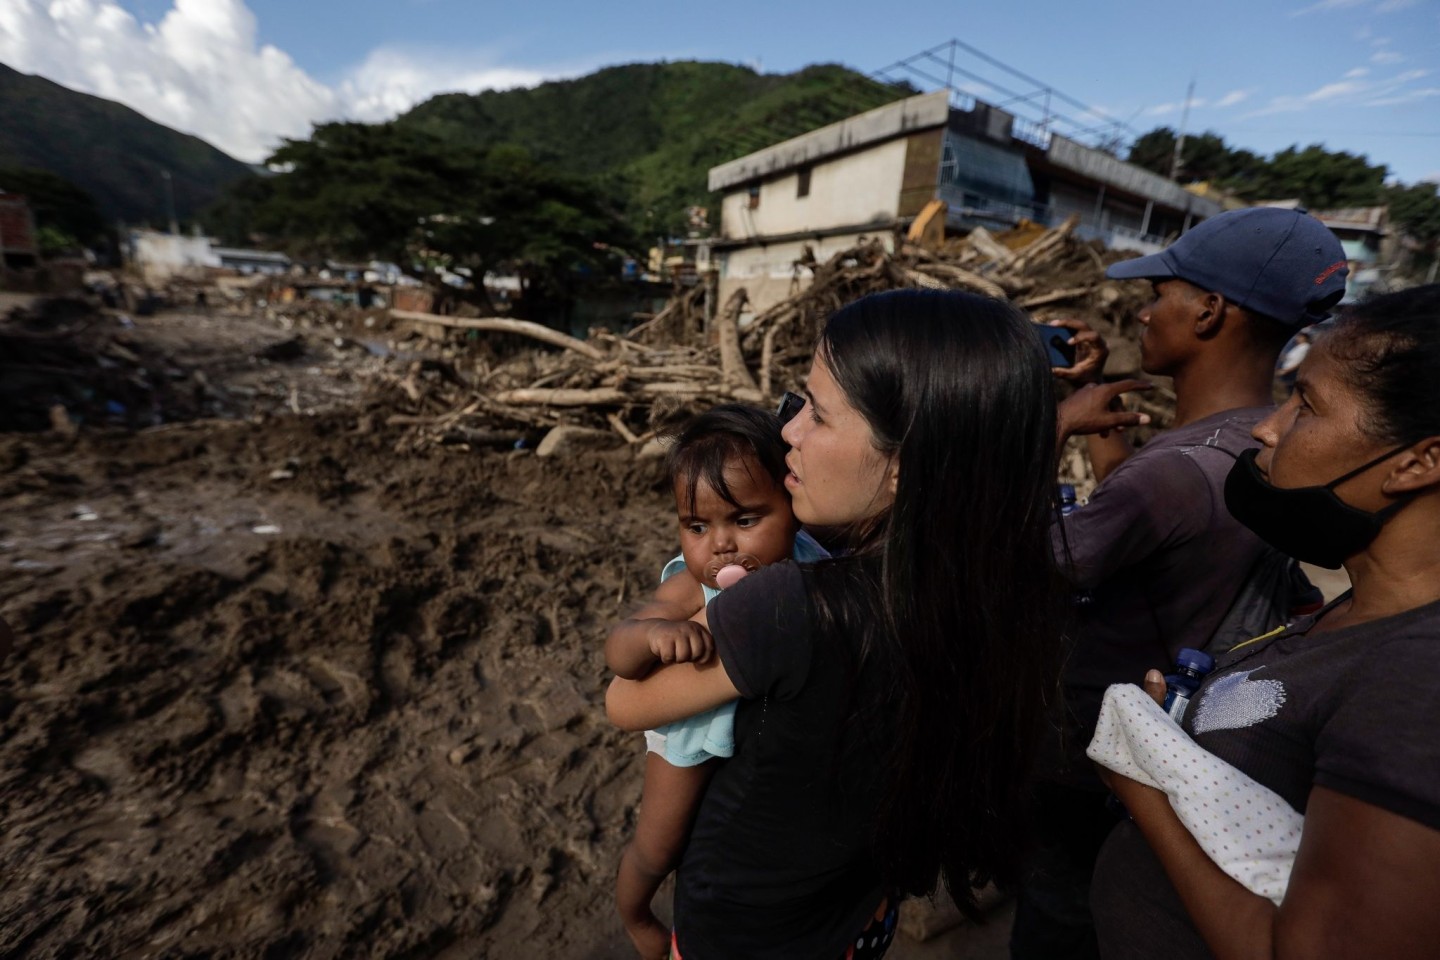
(502, 325)
(732, 361)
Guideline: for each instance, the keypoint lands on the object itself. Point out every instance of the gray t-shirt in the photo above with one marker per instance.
(1353, 710)
(1158, 561)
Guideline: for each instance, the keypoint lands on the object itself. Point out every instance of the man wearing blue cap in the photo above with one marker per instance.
(1156, 559)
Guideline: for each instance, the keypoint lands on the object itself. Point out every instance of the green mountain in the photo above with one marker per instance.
(108, 150)
(656, 128)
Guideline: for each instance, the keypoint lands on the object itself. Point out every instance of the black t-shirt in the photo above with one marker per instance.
(1158, 561)
(778, 864)
(1354, 710)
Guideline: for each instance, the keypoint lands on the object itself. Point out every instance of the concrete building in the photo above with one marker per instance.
(871, 174)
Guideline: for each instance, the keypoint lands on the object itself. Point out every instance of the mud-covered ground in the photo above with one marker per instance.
(279, 691)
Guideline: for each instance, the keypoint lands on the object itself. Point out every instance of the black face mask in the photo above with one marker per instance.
(1308, 523)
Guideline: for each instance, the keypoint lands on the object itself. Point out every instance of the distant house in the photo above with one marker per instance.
(871, 174)
(18, 248)
(252, 261)
(1364, 233)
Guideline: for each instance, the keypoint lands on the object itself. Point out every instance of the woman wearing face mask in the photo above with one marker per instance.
(890, 697)
(1340, 712)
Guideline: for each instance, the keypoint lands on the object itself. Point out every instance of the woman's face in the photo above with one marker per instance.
(836, 475)
(1317, 435)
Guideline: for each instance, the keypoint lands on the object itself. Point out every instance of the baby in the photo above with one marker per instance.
(727, 467)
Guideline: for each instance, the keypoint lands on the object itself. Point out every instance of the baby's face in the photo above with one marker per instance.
(759, 530)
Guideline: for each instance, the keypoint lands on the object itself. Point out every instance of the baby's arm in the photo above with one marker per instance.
(667, 808)
(660, 631)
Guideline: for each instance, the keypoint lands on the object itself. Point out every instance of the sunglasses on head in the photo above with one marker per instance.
(790, 404)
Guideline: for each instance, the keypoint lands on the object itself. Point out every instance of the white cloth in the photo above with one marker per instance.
(1246, 828)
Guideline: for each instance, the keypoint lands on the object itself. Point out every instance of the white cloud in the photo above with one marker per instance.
(391, 81)
(200, 69)
(1196, 103)
(1387, 56)
(1352, 88)
(1332, 90)
(1409, 96)
(1357, 72)
(1328, 5)
(1161, 109)
(1384, 6)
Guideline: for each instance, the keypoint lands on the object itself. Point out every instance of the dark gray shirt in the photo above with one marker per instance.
(1355, 710)
(1157, 559)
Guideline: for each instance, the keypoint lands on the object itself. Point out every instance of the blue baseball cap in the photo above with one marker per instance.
(1282, 264)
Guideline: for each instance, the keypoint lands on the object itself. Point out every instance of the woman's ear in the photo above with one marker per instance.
(1417, 471)
(893, 474)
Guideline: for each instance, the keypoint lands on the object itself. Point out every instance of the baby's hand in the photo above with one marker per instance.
(679, 641)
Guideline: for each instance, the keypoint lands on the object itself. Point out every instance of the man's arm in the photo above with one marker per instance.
(661, 631)
(1094, 411)
(1150, 503)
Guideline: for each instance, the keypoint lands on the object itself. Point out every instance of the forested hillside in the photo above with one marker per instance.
(108, 150)
(653, 129)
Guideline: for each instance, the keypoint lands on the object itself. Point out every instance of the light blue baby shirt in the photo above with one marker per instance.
(692, 741)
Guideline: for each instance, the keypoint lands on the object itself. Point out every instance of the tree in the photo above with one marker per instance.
(401, 194)
(65, 216)
(1319, 178)
(1154, 150)
(1416, 211)
(1322, 179)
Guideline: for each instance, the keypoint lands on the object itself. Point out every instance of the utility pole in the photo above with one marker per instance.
(170, 202)
(1175, 162)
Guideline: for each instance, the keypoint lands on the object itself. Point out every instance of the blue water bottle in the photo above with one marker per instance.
(1190, 668)
(1068, 502)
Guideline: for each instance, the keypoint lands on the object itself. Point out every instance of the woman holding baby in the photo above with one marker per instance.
(890, 697)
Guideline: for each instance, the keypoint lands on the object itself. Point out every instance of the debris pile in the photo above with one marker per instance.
(63, 364)
(682, 360)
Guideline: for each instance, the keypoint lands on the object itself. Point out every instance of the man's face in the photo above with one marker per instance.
(1167, 323)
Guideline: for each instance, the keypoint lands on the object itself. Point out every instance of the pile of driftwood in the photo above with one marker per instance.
(682, 359)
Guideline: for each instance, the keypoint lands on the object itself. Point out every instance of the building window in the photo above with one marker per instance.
(949, 165)
(754, 196)
(802, 183)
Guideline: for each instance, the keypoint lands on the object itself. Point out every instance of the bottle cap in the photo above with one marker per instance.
(1196, 660)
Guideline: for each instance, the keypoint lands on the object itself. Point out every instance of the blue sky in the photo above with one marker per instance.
(1357, 75)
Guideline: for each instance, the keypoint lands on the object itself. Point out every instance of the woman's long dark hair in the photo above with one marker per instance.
(963, 657)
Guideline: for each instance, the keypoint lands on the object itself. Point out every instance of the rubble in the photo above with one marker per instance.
(682, 359)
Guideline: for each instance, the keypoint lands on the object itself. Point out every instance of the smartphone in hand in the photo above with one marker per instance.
(1057, 344)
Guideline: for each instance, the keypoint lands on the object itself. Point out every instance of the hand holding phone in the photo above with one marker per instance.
(1057, 344)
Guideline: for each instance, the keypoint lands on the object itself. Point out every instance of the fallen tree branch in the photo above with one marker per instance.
(502, 325)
